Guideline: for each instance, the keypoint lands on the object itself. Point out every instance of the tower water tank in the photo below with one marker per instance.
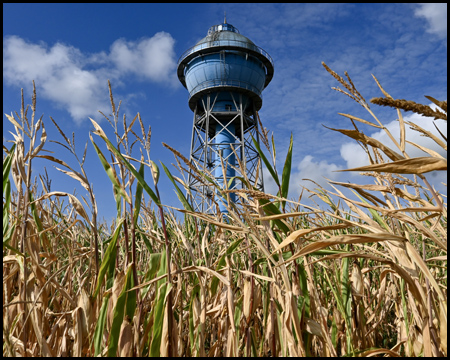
(225, 74)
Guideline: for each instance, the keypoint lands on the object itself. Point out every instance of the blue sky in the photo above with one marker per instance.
(70, 50)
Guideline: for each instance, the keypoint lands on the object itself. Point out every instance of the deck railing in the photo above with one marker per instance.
(219, 43)
(225, 82)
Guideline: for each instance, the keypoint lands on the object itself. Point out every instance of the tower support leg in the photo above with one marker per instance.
(218, 136)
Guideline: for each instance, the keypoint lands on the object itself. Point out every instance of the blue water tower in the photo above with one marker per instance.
(225, 74)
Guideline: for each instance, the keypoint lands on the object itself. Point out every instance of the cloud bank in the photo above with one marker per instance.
(436, 16)
(77, 81)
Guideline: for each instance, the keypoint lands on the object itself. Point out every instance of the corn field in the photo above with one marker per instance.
(275, 277)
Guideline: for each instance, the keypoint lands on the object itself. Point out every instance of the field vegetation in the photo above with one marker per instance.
(367, 276)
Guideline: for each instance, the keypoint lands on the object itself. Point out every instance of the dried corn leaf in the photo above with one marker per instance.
(361, 120)
(211, 220)
(287, 215)
(78, 332)
(418, 165)
(265, 278)
(248, 296)
(428, 151)
(77, 176)
(126, 339)
(428, 134)
(359, 136)
(302, 232)
(313, 327)
(443, 326)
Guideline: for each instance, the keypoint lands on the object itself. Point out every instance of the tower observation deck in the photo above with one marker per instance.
(225, 74)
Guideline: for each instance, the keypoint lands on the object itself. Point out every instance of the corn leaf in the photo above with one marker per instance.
(270, 209)
(7, 161)
(286, 173)
(159, 308)
(109, 258)
(100, 326)
(269, 167)
(111, 174)
(180, 194)
(119, 312)
(138, 197)
(419, 165)
(116, 152)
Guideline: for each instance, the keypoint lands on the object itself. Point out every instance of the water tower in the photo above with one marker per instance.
(225, 74)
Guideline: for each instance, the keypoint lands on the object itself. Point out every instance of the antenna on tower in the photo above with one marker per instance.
(225, 17)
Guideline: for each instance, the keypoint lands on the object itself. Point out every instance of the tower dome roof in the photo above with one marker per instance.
(224, 32)
(225, 60)
(224, 36)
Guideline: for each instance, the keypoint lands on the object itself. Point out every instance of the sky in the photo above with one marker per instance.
(71, 50)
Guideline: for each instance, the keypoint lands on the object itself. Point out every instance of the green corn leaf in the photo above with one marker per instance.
(8, 230)
(145, 239)
(237, 314)
(304, 287)
(180, 194)
(270, 209)
(345, 282)
(119, 312)
(154, 265)
(221, 264)
(7, 194)
(374, 213)
(116, 152)
(130, 306)
(341, 308)
(111, 174)
(274, 151)
(346, 292)
(100, 326)
(269, 167)
(194, 294)
(334, 332)
(7, 166)
(286, 173)
(247, 183)
(138, 197)
(109, 258)
(159, 308)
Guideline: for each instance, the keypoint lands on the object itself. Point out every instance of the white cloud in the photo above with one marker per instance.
(153, 58)
(309, 169)
(436, 16)
(77, 81)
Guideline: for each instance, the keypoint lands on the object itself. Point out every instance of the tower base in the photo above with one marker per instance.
(237, 123)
